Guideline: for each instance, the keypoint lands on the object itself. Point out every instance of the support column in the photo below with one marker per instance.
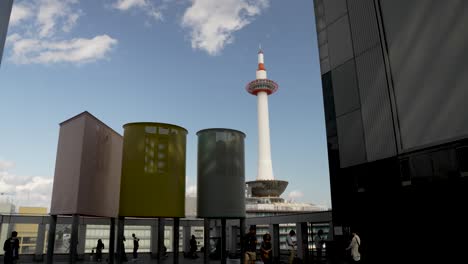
(206, 240)
(233, 244)
(154, 240)
(175, 241)
(112, 241)
(161, 251)
(39, 252)
(242, 234)
(275, 242)
(81, 241)
(51, 239)
(223, 241)
(302, 241)
(187, 237)
(74, 239)
(120, 236)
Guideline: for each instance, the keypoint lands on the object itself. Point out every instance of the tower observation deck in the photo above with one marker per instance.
(265, 184)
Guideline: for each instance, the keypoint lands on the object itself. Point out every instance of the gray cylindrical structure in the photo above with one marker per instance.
(221, 173)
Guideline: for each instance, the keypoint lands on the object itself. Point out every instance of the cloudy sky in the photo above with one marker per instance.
(184, 62)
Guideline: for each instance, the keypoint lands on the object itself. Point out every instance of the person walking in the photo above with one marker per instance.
(266, 249)
(250, 245)
(318, 242)
(354, 247)
(11, 248)
(136, 245)
(291, 240)
(99, 248)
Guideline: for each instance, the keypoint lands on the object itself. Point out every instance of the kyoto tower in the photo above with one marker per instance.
(265, 185)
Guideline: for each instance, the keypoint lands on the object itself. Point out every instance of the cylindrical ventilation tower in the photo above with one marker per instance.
(221, 173)
(153, 170)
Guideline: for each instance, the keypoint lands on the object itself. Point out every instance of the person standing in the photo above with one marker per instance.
(11, 248)
(250, 245)
(291, 240)
(193, 247)
(99, 248)
(266, 249)
(136, 245)
(318, 242)
(354, 247)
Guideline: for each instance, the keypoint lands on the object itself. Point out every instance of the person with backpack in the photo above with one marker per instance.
(11, 248)
(354, 247)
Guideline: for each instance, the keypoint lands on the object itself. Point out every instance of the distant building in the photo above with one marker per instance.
(27, 233)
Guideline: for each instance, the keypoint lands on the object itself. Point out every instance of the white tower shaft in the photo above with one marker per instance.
(265, 168)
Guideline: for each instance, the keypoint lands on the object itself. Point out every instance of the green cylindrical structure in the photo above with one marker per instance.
(221, 173)
(153, 170)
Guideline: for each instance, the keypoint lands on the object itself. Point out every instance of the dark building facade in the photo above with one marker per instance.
(395, 89)
(5, 11)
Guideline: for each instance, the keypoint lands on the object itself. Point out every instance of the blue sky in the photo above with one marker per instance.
(184, 62)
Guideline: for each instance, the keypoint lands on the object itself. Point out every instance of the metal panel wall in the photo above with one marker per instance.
(345, 88)
(364, 28)
(375, 105)
(5, 11)
(322, 36)
(339, 42)
(334, 9)
(351, 139)
(427, 47)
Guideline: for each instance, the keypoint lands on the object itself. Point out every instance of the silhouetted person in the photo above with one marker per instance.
(11, 248)
(250, 245)
(122, 250)
(266, 249)
(136, 245)
(291, 240)
(193, 247)
(318, 242)
(99, 248)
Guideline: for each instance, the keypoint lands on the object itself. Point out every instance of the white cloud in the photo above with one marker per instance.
(148, 7)
(25, 190)
(42, 38)
(5, 165)
(127, 4)
(52, 13)
(295, 195)
(79, 50)
(212, 23)
(20, 12)
(191, 191)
